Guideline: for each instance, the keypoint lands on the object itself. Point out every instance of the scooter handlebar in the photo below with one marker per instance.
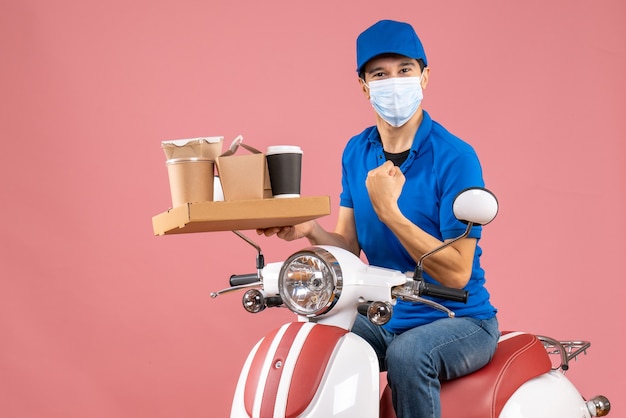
(243, 279)
(443, 292)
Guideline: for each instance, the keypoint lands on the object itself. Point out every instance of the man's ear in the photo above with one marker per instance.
(366, 90)
(425, 77)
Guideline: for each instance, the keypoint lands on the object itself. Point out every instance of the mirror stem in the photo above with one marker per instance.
(260, 259)
(419, 269)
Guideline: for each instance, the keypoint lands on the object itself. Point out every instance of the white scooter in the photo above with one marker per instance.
(315, 367)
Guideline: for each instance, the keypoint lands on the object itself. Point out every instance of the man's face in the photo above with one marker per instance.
(392, 65)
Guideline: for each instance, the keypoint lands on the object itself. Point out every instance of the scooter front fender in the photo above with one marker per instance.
(310, 371)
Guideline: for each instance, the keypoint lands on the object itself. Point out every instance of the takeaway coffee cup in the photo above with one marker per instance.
(284, 165)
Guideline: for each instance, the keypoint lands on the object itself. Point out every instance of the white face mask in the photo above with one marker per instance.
(396, 99)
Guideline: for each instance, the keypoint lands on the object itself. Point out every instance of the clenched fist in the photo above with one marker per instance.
(384, 185)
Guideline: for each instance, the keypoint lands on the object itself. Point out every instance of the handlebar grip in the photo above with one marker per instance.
(242, 279)
(443, 292)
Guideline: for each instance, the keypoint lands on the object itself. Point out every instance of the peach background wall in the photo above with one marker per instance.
(99, 318)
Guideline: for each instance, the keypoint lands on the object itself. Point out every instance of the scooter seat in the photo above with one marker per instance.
(482, 394)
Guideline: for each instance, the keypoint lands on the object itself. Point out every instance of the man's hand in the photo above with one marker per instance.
(288, 233)
(384, 185)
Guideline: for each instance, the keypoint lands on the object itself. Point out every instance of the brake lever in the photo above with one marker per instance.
(235, 288)
(408, 291)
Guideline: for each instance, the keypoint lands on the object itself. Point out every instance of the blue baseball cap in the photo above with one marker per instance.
(388, 37)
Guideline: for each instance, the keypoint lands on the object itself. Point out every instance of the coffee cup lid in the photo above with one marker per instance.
(283, 149)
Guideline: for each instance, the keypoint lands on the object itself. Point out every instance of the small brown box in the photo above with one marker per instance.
(243, 177)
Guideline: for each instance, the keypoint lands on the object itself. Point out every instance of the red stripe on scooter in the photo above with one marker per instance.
(274, 374)
(308, 371)
(254, 374)
(310, 367)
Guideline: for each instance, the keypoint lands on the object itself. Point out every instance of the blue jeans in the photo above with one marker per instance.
(416, 360)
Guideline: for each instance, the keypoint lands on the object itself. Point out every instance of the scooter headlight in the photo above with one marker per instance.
(310, 282)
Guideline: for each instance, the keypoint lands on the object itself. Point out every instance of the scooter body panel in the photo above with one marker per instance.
(550, 395)
(347, 385)
(347, 391)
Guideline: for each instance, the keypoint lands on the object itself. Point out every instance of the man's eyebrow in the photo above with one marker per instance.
(408, 63)
(376, 70)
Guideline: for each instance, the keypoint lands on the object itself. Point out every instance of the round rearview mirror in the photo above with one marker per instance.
(476, 205)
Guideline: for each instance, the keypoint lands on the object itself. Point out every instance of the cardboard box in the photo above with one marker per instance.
(240, 215)
(243, 177)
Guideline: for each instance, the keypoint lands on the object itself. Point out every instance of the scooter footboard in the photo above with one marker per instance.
(308, 370)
